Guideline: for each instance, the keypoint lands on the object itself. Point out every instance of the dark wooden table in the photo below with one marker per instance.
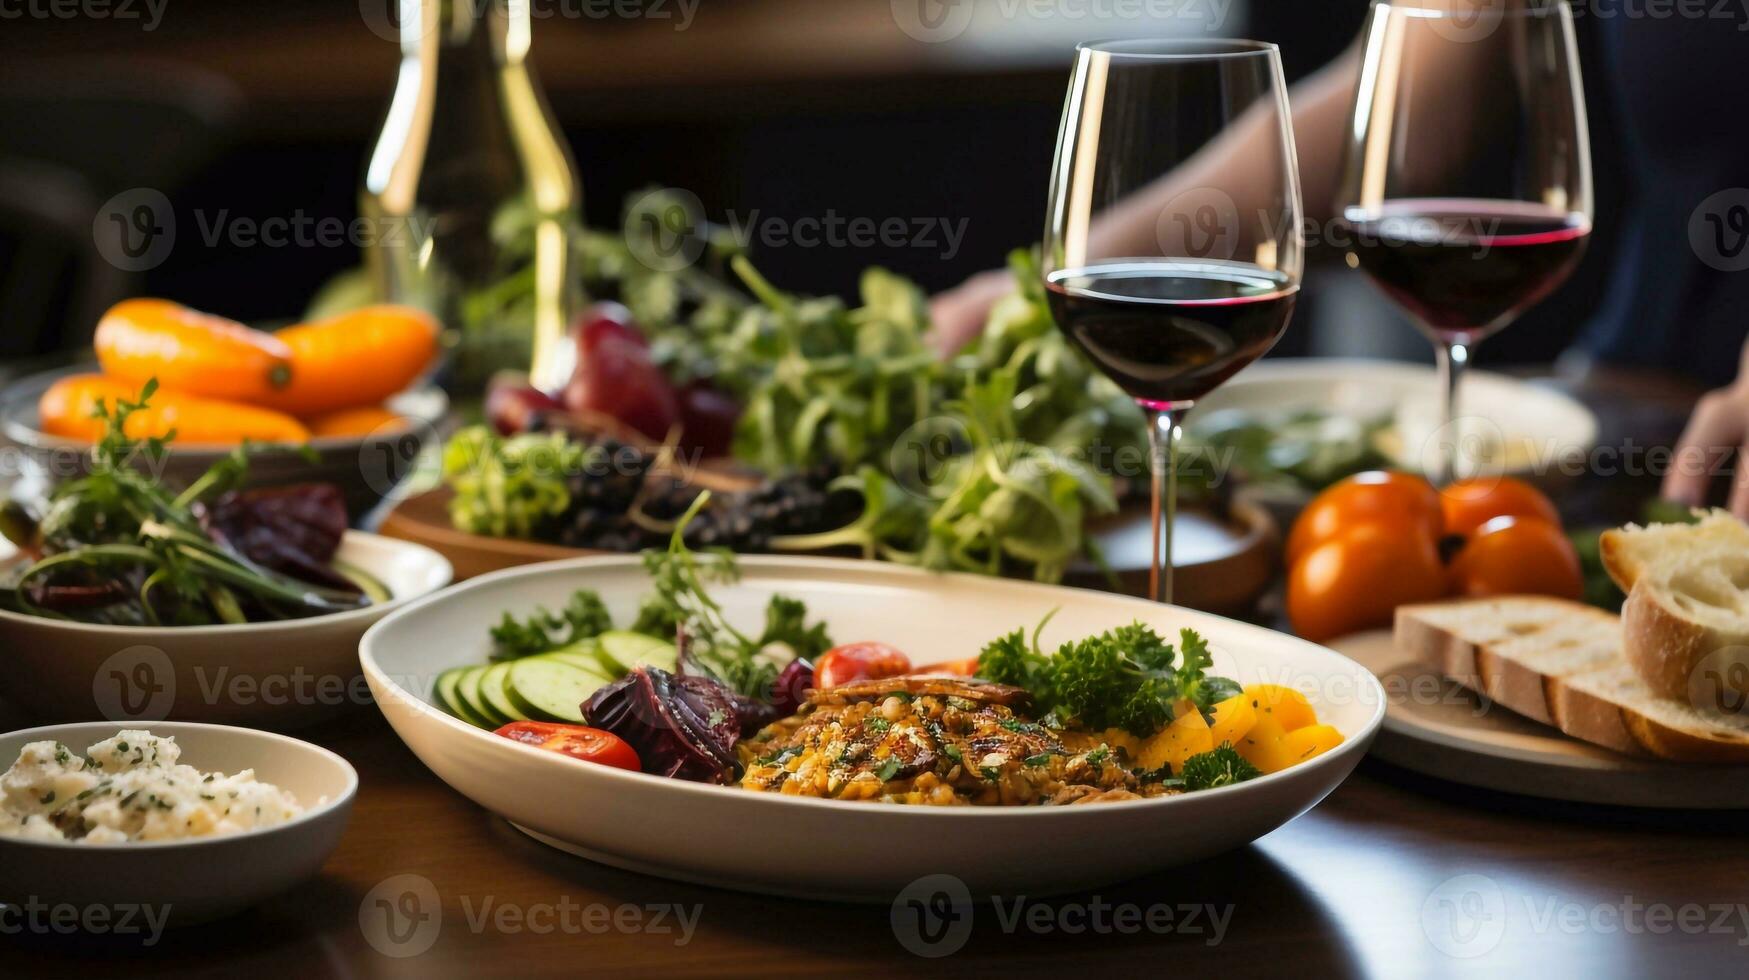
(1393, 875)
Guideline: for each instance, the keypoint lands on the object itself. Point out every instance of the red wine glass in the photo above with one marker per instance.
(1168, 268)
(1466, 195)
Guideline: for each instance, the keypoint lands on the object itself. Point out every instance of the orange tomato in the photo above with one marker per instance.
(1518, 556)
(1357, 579)
(190, 352)
(859, 661)
(357, 358)
(66, 410)
(1401, 501)
(1468, 504)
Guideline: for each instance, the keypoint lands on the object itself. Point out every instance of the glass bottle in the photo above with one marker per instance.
(471, 193)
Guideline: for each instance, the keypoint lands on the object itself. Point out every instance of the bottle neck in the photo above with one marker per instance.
(498, 30)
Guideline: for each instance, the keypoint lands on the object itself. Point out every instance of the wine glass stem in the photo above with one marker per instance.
(1163, 430)
(1453, 358)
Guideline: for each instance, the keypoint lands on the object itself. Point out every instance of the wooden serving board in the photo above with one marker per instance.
(1224, 563)
(1442, 729)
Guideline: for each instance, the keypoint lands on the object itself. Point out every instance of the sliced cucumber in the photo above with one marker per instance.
(493, 693)
(449, 698)
(547, 688)
(469, 688)
(623, 651)
(582, 661)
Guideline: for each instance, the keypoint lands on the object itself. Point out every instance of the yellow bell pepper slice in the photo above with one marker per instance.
(1188, 735)
(1288, 706)
(1313, 740)
(1233, 718)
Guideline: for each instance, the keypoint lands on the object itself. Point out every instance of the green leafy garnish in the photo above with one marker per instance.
(584, 616)
(1127, 678)
(1221, 766)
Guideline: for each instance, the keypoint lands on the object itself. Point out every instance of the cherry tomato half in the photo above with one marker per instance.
(1404, 502)
(858, 661)
(1357, 579)
(1468, 504)
(576, 741)
(1518, 556)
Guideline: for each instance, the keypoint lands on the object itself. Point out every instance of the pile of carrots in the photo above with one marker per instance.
(221, 382)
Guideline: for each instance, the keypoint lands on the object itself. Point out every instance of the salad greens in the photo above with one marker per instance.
(583, 617)
(1127, 678)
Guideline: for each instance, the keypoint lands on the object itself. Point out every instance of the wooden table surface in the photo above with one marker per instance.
(1392, 875)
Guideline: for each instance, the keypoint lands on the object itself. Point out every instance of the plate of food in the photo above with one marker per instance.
(129, 600)
(837, 728)
(336, 400)
(1550, 697)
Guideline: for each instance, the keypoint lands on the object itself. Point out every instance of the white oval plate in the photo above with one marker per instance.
(841, 850)
(1550, 430)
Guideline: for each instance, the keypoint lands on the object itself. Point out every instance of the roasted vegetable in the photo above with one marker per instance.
(680, 727)
(139, 340)
(69, 409)
(357, 358)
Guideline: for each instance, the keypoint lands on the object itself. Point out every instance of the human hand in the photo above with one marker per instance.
(957, 316)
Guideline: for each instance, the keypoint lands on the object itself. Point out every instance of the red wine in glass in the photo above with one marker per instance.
(1170, 331)
(1463, 269)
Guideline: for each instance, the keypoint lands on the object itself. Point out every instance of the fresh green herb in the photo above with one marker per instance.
(878, 725)
(1125, 678)
(584, 616)
(680, 608)
(1222, 766)
(511, 487)
(889, 768)
(1034, 761)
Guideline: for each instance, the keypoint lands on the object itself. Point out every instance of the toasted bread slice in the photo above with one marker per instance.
(1561, 663)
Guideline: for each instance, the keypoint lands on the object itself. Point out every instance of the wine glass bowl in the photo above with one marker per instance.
(1169, 268)
(1466, 192)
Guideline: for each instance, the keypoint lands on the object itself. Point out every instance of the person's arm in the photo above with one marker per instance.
(1320, 105)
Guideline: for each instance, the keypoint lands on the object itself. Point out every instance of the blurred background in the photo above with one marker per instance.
(770, 111)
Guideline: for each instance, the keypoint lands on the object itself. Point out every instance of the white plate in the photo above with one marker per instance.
(859, 851)
(272, 675)
(1552, 431)
(1437, 727)
(198, 879)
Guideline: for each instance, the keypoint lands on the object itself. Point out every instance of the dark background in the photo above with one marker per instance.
(791, 107)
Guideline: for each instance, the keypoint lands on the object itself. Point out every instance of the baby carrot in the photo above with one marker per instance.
(190, 352)
(67, 410)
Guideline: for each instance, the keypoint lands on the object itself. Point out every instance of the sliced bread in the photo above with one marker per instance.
(1685, 624)
(1560, 663)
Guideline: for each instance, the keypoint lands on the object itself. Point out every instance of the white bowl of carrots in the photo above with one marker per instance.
(338, 400)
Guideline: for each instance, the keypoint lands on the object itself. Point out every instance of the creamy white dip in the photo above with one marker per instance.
(130, 788)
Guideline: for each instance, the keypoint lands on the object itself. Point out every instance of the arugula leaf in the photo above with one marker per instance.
(786, 622)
